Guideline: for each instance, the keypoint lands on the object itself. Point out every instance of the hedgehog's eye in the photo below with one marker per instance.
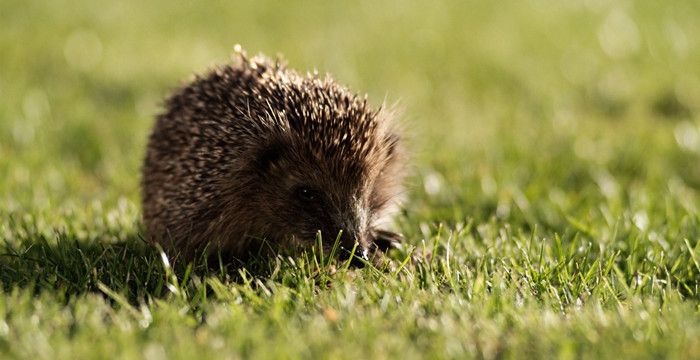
(306, 194)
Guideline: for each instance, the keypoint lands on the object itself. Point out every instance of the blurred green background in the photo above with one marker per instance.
(557, 142)
(490, 90)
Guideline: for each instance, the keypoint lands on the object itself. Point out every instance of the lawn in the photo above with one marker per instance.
(552, 208)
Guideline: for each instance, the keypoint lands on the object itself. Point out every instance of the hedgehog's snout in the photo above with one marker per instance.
(356, 252)
(353, 241)
(349, 241)
(359, 257)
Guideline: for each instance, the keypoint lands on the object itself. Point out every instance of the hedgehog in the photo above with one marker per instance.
(255, 157)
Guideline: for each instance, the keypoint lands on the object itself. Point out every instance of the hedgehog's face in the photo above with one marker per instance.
(314, 206)
(308, 192)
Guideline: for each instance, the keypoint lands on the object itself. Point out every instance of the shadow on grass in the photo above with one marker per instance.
(74, 266)
(131, 267)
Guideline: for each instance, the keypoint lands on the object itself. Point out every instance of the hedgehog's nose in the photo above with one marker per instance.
(359, 258)
(350, 241)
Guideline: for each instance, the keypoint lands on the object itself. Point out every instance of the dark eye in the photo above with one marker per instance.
(306, 194)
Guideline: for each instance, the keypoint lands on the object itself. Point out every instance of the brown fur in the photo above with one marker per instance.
(253, 151)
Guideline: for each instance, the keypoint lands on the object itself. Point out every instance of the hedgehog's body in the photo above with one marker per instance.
(254, 152)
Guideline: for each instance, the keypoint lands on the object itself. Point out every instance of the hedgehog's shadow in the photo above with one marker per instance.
(131, 267)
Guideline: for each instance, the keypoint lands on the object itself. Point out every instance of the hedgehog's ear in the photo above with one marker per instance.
(268, 156)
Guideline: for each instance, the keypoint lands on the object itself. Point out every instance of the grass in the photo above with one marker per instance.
(555, 182)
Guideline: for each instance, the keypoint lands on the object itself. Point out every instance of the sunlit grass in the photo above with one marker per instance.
(552, 208)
